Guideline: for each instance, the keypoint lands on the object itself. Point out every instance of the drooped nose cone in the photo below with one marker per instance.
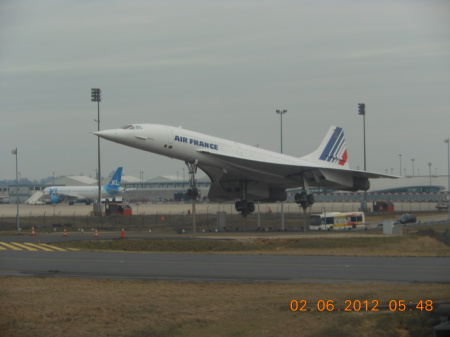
(107, 134)
(116, 135)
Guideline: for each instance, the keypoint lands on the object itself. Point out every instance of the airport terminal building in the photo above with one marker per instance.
(421, 188)
(169, 188)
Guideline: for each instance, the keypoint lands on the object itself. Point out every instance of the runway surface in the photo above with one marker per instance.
(216, 267)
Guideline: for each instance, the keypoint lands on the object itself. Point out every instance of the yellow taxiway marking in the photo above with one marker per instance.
(7, 245)
(24, 246)
(41, 247)
(53, 247)
(31, 247)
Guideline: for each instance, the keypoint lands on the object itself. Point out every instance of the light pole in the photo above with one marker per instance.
(96, 97)
(448, 175)
(400, 156)
(14, 152)
(281, 113)
(429, 167)
(362, 111)
(412, 160)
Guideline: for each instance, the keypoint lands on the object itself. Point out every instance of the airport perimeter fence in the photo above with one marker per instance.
(163, 223)
(170, 222)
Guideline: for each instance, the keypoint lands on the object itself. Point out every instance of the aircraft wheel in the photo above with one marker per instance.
(239, 206)
(244, 207)
(300, 198)
(251, 206)
(192, 193)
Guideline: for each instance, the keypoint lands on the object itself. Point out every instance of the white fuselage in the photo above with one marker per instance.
(79, 192)
(236, 169)
(188, 146)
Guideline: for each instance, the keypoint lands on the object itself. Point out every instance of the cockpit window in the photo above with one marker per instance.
(131, 127)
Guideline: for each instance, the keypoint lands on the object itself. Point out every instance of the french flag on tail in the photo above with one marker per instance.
(332, 152)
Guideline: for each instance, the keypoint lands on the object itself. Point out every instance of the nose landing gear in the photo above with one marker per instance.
(193, 192)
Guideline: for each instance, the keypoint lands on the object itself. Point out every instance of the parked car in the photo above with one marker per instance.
(407, 218)
(442, 205)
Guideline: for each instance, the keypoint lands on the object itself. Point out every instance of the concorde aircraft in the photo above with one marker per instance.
(248, 173)
(86, 193)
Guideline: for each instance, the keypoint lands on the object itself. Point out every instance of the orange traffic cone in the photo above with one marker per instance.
(32, 231)
(65, 232)
(123, 234)
(96, 233)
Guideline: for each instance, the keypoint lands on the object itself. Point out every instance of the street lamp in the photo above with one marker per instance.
(362, 111)
(412, 160)
(448, 176)
(429, 167)
(400, 156)
(96, 97)
(14, 152)
(281, 113)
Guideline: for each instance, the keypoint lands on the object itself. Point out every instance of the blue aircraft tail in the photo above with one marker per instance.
(114, 184)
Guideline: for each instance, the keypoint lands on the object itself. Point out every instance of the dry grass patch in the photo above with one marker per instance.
(350, 245)
(73, 307)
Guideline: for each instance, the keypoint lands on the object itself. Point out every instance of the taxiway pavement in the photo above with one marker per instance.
(224, 267)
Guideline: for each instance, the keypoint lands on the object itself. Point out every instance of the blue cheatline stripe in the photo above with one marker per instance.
(334, 145)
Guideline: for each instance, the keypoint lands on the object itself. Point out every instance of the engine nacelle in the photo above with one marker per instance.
(359, 183)
(277, 195)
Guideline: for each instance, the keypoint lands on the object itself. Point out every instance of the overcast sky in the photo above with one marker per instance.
(223, 68)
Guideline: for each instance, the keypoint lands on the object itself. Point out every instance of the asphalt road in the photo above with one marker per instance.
(216, 267)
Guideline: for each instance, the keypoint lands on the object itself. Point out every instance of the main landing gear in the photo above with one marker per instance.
(244, 206)
(304, 200)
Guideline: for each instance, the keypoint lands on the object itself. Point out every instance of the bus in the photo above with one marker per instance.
(337, 221)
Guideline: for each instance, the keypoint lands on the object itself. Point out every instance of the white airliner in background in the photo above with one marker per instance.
(87, 193)
(249, 173)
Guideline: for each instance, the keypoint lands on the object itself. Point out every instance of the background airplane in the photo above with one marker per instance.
(87, 193)
(248, 173)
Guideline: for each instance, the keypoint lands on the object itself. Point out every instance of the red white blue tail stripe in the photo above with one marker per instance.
(335, 150)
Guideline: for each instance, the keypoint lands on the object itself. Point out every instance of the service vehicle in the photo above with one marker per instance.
(337, 221)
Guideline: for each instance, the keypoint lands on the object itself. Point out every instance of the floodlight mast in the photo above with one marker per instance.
(362, 111)
(96, 97)
(14, 152)
(281, 113)
(447, 140)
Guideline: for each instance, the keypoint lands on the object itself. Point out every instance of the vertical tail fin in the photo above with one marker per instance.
(332, 151)
(114, 183)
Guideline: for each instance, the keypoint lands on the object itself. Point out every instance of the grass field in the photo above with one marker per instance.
(71, 307)
(420, 243)
(68, 307)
